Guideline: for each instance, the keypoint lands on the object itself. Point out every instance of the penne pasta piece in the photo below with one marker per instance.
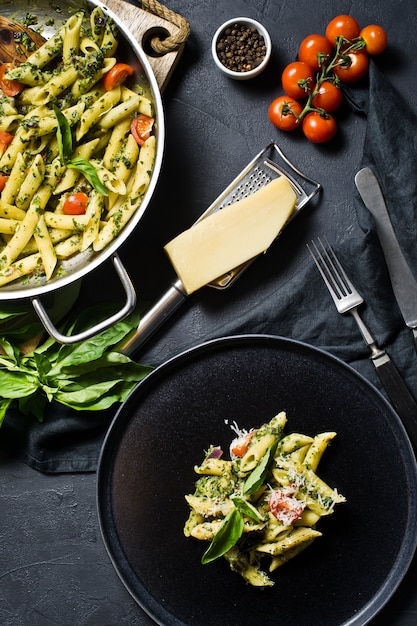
(9, 122)
(8, 226)
(34, 176)
(66, 222)
(20, 238)
(293, 442)
(56, 85)
(120, 134)
(23, 267)
(315, 452)
(119, 112)
(71, 36)
(84, 83)
(209, 506)
(15, 180)
(94, 210)
(11, 211)
(92, 115)
(15, 148)
(45, 247)
(68, 247)
(145, 106)
(109, 40)
(294, 538)
(283, 558)
(48, 51)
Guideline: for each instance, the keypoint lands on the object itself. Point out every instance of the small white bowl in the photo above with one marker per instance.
(246, 21)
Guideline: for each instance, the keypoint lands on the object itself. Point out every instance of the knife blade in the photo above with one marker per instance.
(404, 284)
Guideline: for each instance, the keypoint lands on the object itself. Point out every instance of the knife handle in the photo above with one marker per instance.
(155, 317)
(399, 394)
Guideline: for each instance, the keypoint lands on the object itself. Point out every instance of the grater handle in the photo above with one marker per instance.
(153, 319)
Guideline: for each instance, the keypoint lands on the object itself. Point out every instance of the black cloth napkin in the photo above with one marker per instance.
(70, 442)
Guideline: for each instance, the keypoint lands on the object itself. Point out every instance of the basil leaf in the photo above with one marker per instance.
(34, 404)
(257, 477)
(63, 134)
(17, 384)
(228, 534)
(247, 509)
(90, 173)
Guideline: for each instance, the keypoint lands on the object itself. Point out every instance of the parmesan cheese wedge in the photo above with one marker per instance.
(231, 236)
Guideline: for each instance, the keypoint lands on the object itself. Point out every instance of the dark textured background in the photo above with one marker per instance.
(54, 569)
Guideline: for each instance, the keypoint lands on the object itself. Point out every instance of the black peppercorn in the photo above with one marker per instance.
(241, 48)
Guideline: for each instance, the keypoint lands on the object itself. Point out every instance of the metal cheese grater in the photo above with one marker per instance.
(258, 173)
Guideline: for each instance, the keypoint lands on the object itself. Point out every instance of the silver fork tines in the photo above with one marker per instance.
(344, 294)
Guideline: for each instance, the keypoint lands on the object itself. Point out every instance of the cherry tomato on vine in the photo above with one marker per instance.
(315, 50)
(358, 68)
(329, 97)
(297, 78)
(319, 128)
(9, 87)
(342, 26)
(375, 38)
(75, 204)
(283, 112)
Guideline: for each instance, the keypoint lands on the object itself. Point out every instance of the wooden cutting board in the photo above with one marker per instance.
(142, 25)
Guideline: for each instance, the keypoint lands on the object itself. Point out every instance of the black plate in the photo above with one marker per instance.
(160, 433)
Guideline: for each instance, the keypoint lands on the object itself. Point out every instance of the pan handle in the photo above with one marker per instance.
(167, 304)
(90, 332)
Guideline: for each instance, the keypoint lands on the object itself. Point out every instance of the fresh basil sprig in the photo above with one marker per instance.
(228, 534)
(256, 478)
(63, 134)
(90, 172)
(247, 509)
(64, 138)
(87, 376)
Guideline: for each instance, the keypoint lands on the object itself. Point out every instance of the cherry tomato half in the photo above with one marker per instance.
(240, 445)
(315, 50)
(283, 112)
(358, 68)
(342, 26)
(117, 75)
(5, 140)
(285, 507)
(10, 87)
(319, 128)
(141, 128)
(3, 180)
(297, 79)
(375, 38)
(75, 204)
(329, 97)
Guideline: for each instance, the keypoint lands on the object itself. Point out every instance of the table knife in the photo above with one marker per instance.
(403, 282)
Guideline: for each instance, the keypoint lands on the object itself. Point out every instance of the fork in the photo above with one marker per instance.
(347, 300)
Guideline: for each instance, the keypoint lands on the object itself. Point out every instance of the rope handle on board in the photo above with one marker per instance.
(172, 42)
